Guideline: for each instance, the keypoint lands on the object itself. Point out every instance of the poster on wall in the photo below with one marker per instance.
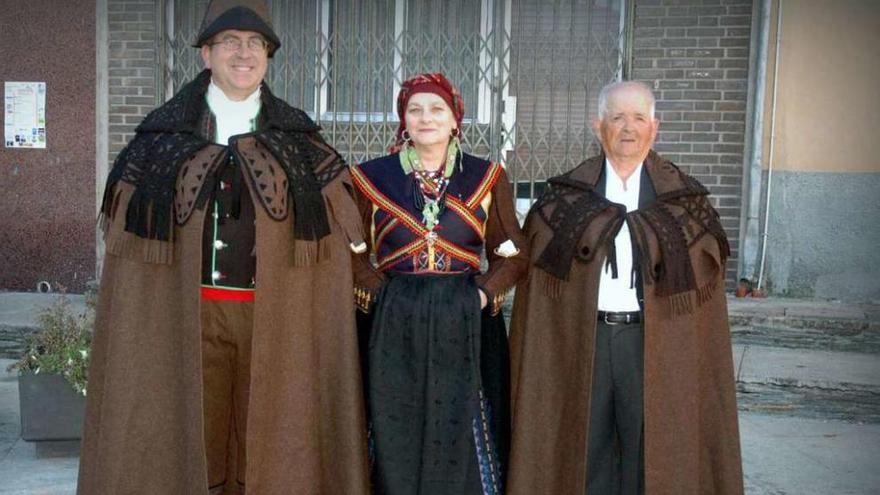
(25, 114)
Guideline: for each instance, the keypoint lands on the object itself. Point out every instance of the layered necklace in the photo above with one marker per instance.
(429, 187)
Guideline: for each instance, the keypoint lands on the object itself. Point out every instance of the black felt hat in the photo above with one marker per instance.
(243, 15)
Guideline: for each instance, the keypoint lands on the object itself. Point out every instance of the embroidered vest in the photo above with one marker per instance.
(402, 242)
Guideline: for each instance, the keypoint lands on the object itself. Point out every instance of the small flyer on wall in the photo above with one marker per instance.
(25, 119)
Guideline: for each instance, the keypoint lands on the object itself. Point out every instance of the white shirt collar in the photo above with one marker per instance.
(221, 104)
(614, 187)
(232, 117)
(634, 179)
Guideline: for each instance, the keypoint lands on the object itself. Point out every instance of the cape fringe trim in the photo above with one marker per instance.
(707, 291)
(130, 246)
(552, 285)
(309, 253)
(686, 302)
(119, 242)
(681, 304)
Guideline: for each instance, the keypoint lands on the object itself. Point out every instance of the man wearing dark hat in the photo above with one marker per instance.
(225, 355)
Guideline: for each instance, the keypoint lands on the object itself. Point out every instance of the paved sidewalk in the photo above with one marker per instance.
(785, 455)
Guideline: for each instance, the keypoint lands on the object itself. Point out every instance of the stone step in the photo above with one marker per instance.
(830, 370)
(808, 382)
(12, 340)
(853, 406)
(822, 335)
(803, 313)
(18, 317)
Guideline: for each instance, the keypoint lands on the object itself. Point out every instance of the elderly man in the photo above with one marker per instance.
(622, 372)
(225, 353)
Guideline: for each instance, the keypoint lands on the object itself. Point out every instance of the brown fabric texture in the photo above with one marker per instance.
(501, 225)
(226, 366)
(691, 431)
(144, 429)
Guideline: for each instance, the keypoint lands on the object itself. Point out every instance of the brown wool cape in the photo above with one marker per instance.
(691, 435)
(306, 431)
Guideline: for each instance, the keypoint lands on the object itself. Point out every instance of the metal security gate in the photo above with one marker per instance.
(529, 70)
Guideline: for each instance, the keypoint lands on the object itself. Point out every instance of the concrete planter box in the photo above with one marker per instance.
(50, 409)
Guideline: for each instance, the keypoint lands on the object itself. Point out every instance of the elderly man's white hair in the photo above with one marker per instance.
(619, 85)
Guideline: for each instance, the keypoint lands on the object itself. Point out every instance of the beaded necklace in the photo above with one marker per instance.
(429, 187)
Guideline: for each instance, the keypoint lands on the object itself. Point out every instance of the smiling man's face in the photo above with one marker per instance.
(237, 72)
(628, 128)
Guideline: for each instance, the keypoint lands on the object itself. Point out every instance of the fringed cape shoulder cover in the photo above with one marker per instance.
(172, 166)
(680, 217)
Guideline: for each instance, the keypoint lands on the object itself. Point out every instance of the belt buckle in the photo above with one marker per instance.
(622, 318)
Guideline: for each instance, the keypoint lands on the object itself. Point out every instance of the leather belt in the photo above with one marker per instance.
(619, 318)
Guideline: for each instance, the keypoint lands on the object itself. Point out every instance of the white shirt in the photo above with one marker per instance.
(615, 294)
(233, 117)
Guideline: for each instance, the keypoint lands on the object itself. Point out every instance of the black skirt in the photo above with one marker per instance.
(437, 388)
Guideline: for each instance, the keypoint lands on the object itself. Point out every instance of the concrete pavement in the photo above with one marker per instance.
(789, 455)
(809, 400)
(808, 380)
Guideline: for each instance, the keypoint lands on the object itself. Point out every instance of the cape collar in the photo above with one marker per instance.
(668, 180)
(183, 112)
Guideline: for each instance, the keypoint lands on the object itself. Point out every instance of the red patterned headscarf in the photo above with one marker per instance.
(426, 83)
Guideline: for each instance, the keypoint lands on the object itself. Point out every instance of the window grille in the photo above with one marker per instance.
(529, 70)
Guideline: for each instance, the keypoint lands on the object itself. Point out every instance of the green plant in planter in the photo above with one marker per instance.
(62, 343)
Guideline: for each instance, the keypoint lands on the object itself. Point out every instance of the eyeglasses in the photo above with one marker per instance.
(233, 44)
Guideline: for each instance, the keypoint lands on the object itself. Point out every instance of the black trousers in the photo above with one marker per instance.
(615, 454)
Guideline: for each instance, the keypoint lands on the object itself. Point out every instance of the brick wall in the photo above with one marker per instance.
(133, 62)
(47, 225)
(695, 54)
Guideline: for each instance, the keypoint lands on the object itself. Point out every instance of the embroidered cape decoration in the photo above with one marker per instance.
(172, 134)
(678, 218)
(576, 205)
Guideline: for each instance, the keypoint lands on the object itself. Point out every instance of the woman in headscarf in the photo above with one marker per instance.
(437, 357)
